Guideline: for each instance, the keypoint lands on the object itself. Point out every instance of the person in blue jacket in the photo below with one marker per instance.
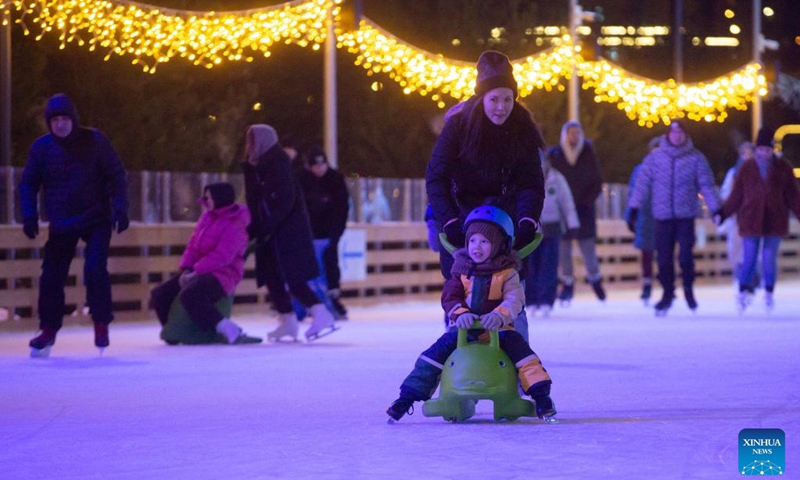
(85, 198)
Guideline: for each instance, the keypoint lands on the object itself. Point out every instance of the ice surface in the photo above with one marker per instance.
(639, 397)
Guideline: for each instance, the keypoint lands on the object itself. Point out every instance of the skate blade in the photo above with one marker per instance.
(101, 350)
(565, 303)
(661, 313)
(322, 333)
(551, 420)
(282, 339)
(40, 353)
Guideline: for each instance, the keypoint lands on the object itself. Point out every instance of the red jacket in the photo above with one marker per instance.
(217, 245)
(762, 205)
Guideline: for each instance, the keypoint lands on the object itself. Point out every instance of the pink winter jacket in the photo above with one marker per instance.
(217, 245)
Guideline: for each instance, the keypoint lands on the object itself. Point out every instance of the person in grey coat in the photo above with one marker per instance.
(672, 175)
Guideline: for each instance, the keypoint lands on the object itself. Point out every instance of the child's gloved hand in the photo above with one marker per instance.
(492, 321)
(465, 320)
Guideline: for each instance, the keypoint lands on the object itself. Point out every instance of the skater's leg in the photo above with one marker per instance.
(685, 237)
(58, 254)
(750, 247)
(95, 269)
(565, 258)
(162, 296)
(548, 278)
(769, 262)
(199, 297)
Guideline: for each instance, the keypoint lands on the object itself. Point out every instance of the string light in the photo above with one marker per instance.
(649, 102)
(155, 35)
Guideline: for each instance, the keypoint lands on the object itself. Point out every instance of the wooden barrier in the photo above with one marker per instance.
(399, 265)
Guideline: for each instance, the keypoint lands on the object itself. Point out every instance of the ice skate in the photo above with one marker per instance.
(288, 327)
(40, 344)
(664, 304)
(400, 407)
(322, 324)
(233, 333)
(339, 310)
(545, 310)
(688, 293)
(597, 286)
(546, 409)
(101, 336)
(647, 290)
(743, 300)
(566, 294)
(769, 301)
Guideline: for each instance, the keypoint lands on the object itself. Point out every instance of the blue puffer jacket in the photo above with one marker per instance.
(672, 176)
(83, 179)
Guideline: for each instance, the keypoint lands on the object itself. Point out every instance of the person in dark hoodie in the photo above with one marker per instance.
(280, 225)
(327, 200)
(86, 198)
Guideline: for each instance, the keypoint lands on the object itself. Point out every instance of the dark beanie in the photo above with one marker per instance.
(764, 137)
(491, 231)
(494, 70)
(222, 193)
(316, 156)
(61, 105)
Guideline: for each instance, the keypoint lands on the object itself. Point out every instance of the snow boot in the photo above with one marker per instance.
(688, 293)
(545, 408)
(322, 323)
(665, 303)
(597, 286)
(567, 292)
(40, 344)
(101, 336)
(647, 290)
(288, 328)
(400, 407)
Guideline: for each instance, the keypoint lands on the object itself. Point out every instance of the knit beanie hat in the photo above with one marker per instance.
(222, 193)
(494, 70)
(316, 156)
(491, 231)
(764, 137)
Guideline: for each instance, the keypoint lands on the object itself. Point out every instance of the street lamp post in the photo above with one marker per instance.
(5, 88)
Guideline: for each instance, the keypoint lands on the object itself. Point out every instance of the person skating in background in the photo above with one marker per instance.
(484, 286)
(488, 153)
(574, 157)
(729, 227)
(764, 191)
(328, 204)
(672, 175)
(86, 198)
(558, 216)
(643, 229)
(211, 266)
(285, 252)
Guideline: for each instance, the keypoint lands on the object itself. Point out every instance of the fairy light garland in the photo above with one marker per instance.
(153, 35)
(428, 74)
(649, 102)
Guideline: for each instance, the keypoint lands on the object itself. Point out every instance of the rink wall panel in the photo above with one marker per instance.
(399, 265)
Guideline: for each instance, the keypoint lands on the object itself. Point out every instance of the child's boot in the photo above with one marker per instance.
(400, 407)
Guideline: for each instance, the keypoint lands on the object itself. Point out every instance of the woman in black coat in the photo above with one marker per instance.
(285, 252)
(488, 153)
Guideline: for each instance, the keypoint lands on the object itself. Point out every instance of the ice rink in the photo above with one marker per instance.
(639, 397)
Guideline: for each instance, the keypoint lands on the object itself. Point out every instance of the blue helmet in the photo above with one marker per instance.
(492, 214)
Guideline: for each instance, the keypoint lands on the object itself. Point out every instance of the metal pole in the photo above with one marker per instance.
(757, 114)
(572, 99)
(331, 145)
(5, 88)
(678, 39)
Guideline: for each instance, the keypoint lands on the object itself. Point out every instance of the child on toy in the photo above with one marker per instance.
(484, 286)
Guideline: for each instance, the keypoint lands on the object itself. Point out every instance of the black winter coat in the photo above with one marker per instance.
(327, 200)
(279, 214)
(83, 179)
(585, 180)
(509, 174)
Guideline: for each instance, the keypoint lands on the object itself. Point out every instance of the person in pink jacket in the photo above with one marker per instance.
(212, 264)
